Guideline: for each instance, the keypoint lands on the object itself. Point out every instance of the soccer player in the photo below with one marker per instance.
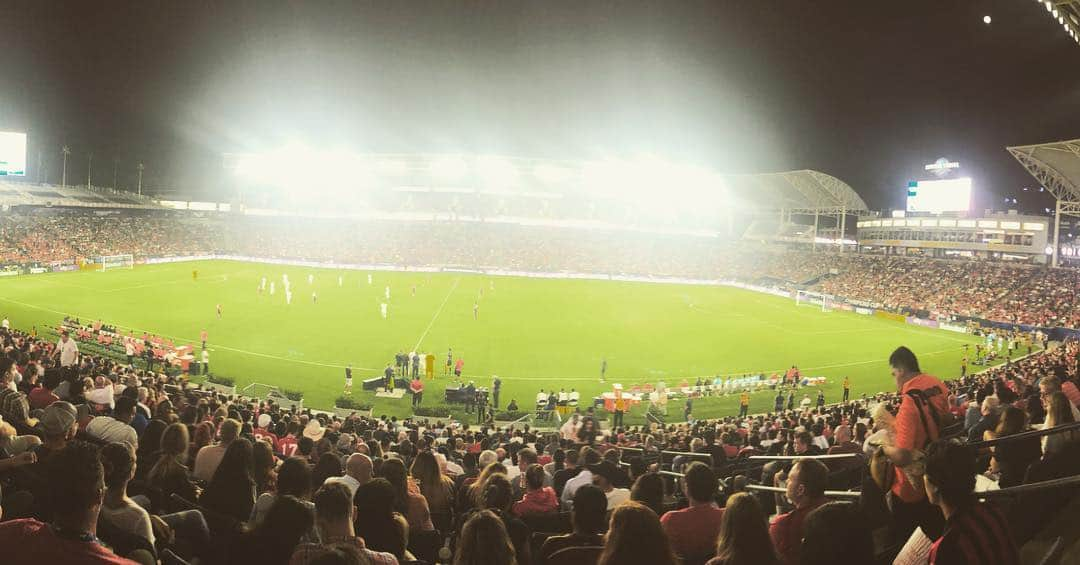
(314, 297)
(311, 279)
(603, 368)
(449, 360)
(195, 275)
(262, 283)
(288, 297)
(476, 310)
(387, 293)
(369, 278)
(778, 403)
(458, 366)
(219, 311)
(744, 404)
(382, 309)
(340, 280)
(202, 337)
(348, 379)
(414, 290)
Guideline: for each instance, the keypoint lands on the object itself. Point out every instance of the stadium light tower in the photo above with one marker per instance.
(89, 169)
(66, 151)
(140, 168)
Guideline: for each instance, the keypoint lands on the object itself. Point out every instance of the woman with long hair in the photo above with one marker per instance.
(412, 505)
(265, 476)
(436, 487)
(476, 490)
(744, 534)
(294, 479)
(149, 447)
(231, 490)
(272, 542)
(649, 490)
(381, 528)
(484, 541)
(635, 538)
(203, 436)
(169, 474)
(1058, 413)
(1011, 459)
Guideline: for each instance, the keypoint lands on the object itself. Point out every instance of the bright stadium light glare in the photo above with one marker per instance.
(496, 170)
(987, 19)
(388, 166)
(551, 174)
(449, 167)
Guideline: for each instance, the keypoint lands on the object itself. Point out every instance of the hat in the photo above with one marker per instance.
(314, 430)
(264, 420)
(58, 418)
(344, 442)
(605, 469)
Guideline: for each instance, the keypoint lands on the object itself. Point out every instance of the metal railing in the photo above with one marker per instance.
(1025, 435)
(828, 493)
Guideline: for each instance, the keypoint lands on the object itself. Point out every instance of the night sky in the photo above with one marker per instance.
(866, 91)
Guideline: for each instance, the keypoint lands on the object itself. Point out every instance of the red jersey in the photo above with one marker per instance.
(288, 445)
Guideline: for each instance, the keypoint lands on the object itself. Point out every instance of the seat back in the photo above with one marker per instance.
(584, 555)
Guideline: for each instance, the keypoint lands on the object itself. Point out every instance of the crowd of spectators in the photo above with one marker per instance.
(104, 462)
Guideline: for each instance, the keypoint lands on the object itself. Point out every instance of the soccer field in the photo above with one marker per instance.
(533, 333)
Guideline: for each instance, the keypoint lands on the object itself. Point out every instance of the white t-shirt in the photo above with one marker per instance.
(69, 352)
(205, 356)
(541, 398)
(5, 324)
(130, 518)
(617, 496)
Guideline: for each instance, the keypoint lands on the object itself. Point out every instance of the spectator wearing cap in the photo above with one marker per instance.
(314, 430)
(974, 532)
(604, 475)
(589, 518)
(77, 489)
(116, 428)
(209, 457)
(334, 511)
(59, 422)
(262, 430)
(693, 530)
(805, 490)
(358, 470)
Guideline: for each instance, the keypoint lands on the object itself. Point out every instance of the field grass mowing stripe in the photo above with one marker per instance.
(217, 279)
(437, 312)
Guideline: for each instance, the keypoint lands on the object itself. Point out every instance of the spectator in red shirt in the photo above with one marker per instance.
(42, 396)
(263, 430)
(806, 490)
(288, 444)
(77, 487)
(693, 530)
(538, 499)
(974, 532)
(922, 400)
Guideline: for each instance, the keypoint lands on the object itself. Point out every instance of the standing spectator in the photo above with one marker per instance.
(974, 532)
(744, 534)
(334, 513)
(588, 520)
(692, 531)
(412, 505)
(484, 541)
(77, 489)
(67, 350)
(14, 407)
(417, 388)
(635, 537)
(231, 491)
(209, 457)
(805, 490)
(437, 488)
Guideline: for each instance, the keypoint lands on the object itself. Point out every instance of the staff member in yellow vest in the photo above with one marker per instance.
(744, 404)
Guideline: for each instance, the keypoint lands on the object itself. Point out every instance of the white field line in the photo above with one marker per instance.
(436, 316)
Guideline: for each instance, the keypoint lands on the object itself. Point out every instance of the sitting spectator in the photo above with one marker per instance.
(437, 488)
(116, 428)
(587, 457)
(604, 475)
(1011, 459)
(821, 546)
(357, 472)
(744, 534)
(649, 490)
(538, 499)
(843, 443)
(263, 466)
(42, 396)
(209, 457)
(636, 537)
(570, 470)
(988, 418)
(692, 531)
(334, 512)
(497, 497)
(276, 537)
(412, 505)
(975, 532)
(328, 466)
(1058, 413)
(169, 475)
(484, 541)
(232, 489)
(14, 407)
(77, 487)
(588, 518)
(383, 530)
(293, 480)
(118, 463)
(59, 422)
(805, 490)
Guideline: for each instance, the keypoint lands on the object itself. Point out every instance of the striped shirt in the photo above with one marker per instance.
(976, 534)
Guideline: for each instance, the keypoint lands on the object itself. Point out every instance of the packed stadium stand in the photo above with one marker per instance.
(984, 468)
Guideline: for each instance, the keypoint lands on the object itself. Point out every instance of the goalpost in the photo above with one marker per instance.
(114, 262)
(815, 299)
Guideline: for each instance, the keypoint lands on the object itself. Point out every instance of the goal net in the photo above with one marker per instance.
(815, 299)
(114, 262)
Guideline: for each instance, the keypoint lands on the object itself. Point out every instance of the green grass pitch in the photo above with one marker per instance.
(533, 333)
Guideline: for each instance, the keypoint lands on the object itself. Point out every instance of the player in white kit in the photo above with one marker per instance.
(382, 308)
(311, 279)
(271, 288)
(340, 280)
(369, 278)
(288, 296)
(388, 292)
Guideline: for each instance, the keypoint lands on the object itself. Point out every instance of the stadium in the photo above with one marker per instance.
(284, 347)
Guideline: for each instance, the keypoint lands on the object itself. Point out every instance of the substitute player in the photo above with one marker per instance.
(219, 311)
(314, 298)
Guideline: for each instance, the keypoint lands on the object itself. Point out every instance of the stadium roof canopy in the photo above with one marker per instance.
(1055, 165)
(797, 191)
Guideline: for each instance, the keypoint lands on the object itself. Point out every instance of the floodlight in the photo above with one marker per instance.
(449, 167)
(496, 170)
(552, 174)
(987, 20)
(391, 166)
